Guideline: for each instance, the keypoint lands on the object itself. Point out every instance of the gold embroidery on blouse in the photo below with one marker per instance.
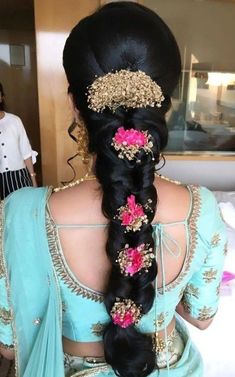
(218, 290)
(209, 275)
(181, 293)
(160, 320)
(61, 266)
(215, 240)
(192, 223)
(187, 307)
(5, 316)
(98, 328)
(192, 290)
(64, 306)
(205, 313)
(6, 346)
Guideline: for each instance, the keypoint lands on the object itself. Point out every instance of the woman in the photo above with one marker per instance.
(94, 286)
(16, 165)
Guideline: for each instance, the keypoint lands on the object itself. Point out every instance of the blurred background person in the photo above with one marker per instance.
(16, 154)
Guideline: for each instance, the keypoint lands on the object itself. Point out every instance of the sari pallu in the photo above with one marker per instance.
(30, 291)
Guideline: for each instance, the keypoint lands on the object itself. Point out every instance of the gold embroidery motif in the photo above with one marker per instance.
(192, 291)
(181, 293)
(215, 240)
(192, 223)
(64, 307)
(226, 249)
(205, 313)
(218, 290)
(97, 329)
(5, 316)
(187, 307)
(6, 346)
(209, 275)
(61, 266)
(160, 320)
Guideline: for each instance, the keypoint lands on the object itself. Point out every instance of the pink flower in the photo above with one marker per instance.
(123, 320)
(131, 212)
(132, 215)
(135, 261)
(132, 260)
(130, 137)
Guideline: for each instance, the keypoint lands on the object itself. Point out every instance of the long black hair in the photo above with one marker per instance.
(2, 103)
(124, 35)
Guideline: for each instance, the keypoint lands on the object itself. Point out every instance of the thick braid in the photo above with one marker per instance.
(128, 351)
(120, 45)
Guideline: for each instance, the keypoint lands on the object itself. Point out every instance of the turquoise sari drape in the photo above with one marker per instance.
(34, 300)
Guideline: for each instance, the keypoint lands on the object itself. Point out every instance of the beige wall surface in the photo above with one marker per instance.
(202, 28)
(54, 19)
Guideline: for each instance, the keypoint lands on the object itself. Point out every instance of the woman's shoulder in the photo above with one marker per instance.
(12, 117)
(26, 198)
(204, 198)
(208, 219)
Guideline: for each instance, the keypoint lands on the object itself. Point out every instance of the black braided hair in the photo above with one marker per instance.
(2, 103)
(124, 35)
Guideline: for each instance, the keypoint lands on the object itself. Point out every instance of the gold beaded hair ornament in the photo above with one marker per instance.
(125, 312)
(124, 88)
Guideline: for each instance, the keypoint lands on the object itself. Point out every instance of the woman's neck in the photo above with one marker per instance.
(2, 114)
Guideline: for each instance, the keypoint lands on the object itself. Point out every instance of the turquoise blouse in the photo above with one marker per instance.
(41, 299)
(197, 285)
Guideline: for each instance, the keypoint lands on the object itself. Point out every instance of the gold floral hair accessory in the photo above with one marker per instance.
(124, 88)
(128, 143)
(132, 215)
(133, 260)
(125, 312)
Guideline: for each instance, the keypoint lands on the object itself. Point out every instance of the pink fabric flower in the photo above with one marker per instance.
(128, 143)
(131, 212)
(130, 137)
(135, 260)
(123, 320)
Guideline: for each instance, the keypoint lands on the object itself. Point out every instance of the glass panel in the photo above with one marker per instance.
(202, 118)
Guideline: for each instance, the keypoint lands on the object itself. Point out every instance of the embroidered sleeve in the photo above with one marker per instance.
(6, 334)
(201, 295)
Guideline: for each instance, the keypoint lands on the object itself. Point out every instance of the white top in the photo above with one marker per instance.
(14, 143)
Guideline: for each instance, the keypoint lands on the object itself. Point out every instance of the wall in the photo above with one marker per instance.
(54, 19)
(204, 28)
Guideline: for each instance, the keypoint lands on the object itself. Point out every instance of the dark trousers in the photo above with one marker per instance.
(14, 180)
